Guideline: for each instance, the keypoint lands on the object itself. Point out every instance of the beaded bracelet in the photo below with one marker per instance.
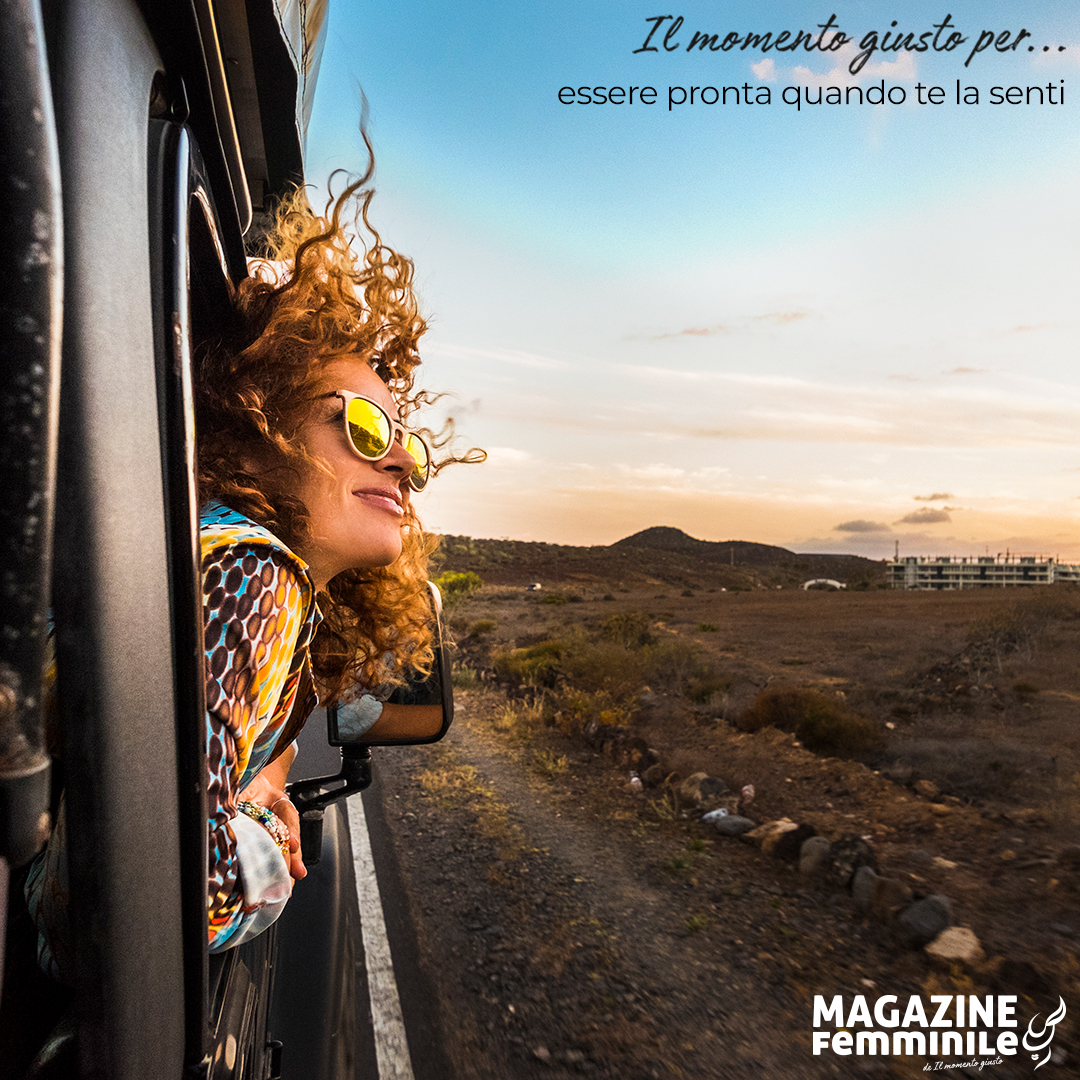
(277, 829)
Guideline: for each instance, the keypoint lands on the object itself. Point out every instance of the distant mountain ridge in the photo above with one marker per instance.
(666, 538)
(660, 554)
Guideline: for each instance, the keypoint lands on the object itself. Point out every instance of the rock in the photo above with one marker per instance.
(1068, 858)
(940, 809)
(924, 920)
(654, 775)
(956, 945)
(765, 836)
(712, 787)
(943, 864)
(1064, 929)
(862, 887)
(890, 895)
(542, 1053)
(927, 788)
(733, 825)
(789, 845)
(815, 856)
(849, 853)
(697, 788)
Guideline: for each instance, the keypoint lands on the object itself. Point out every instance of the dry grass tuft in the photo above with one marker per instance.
(548, 764)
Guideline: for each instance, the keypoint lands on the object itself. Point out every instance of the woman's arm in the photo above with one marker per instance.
(405, 722)
(254, 611)
(268, 789)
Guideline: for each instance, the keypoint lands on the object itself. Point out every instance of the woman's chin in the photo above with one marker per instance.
(384, 555)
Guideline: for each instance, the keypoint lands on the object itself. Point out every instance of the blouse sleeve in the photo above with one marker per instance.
(255, 622)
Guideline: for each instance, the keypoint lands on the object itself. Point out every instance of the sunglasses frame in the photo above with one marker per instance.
(398, 434)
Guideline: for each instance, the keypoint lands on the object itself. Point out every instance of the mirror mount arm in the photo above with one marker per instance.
(311, 800)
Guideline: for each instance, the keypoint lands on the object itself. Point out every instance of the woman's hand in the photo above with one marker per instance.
(268, 789)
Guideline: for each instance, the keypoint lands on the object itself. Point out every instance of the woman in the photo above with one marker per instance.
(314, 564)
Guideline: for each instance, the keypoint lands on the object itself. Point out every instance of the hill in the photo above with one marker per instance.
(659, 555)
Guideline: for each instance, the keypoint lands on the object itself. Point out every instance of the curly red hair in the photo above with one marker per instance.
(257, 383)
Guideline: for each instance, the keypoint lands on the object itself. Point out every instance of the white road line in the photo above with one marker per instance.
(391, 1044)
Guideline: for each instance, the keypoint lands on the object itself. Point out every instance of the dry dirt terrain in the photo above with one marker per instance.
(580, 920)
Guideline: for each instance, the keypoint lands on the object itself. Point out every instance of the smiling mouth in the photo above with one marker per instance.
(385, 500)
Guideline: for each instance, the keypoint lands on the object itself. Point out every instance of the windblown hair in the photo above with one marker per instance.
(256, 385)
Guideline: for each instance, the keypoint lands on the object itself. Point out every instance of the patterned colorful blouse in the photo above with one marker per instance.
(259, 615)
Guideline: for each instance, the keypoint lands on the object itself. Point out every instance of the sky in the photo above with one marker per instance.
(835, 327)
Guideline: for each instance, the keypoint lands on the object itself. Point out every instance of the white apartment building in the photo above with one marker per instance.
(979, 572)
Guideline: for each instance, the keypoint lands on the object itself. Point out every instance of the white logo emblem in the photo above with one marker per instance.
(1032, 1037)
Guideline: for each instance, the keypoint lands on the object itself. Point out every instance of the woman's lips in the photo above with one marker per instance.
(383, 499)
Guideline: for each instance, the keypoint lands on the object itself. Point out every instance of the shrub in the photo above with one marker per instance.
(672, 666)
(1021, 626)
(553, 598)
(823, 724)
(482, 626)
(595, 666)
(707, 628)
(703, 690)
(534, 665)
(457, 586)
(627, 628)
(581, 706)
(464, 678)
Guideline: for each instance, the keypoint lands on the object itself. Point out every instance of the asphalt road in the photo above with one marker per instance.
(398, 1031)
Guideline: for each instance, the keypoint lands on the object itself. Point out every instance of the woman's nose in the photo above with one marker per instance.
(398, 461)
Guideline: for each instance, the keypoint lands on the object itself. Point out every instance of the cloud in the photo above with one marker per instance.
(936, 497)
(777, 318)
(924, 517)
(860, 526)
(903, 69)
(692, 331)
(517, 357)
(1070, 55)
(507, 455)
(997, 410)
(967, 371)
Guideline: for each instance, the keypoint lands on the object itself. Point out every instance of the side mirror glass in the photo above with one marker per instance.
(431, 695)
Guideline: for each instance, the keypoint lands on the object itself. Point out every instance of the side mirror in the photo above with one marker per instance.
(429, 692)
(434, 694)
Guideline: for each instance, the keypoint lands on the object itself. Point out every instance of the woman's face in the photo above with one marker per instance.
(355, 509)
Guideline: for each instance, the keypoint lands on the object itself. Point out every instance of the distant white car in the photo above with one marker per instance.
(534, 587)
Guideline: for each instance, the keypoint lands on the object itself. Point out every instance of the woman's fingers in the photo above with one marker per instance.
(287, 812)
